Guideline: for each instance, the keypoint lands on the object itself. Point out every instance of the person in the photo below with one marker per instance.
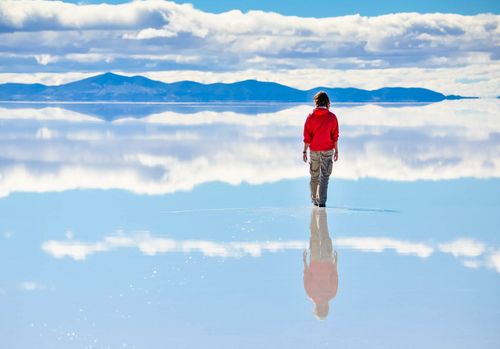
(321, 278)
(321, 133)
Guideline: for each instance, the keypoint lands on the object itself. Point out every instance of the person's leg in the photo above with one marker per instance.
(325, 172)
(314, 170)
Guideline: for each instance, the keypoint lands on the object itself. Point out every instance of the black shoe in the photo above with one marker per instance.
(322, 205)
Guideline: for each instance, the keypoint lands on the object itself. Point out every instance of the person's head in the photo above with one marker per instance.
(321, 99)
(321, 310)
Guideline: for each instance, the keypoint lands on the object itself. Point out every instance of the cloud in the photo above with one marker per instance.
(493, 260)
(27, 15)
(479, 79)
(472, 263)
(45, 59)
(32, 286)
(463, 248)
(45, 133)
(36, 36)
(47, 114)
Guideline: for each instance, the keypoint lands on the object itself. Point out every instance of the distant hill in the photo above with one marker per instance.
(118, 88)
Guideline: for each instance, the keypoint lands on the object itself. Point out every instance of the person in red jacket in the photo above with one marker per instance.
(321, 133)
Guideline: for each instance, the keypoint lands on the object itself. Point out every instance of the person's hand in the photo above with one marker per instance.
(304, 157)
(336, 155)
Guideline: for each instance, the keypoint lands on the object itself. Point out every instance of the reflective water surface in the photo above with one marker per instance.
(189, 226)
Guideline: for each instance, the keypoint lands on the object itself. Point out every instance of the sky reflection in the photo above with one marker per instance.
(52, 149)
(104, 268)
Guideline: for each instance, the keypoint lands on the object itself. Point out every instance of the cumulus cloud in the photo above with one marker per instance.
(25, 15)
(163, 35)
(493, 260)
(463, 248)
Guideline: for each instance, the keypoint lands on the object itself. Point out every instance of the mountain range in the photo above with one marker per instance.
(113, 87)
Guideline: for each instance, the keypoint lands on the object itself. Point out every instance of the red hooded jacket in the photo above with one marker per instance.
(321, 130)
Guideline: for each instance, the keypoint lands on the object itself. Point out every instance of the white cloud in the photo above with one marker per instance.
(463, 248)
(44, 78)
(58, 15)
(150, 33)
(32, 286)
(45, 133)
(429, 50)
(493, 260)
(46, 59)
(472, 263)
(471, 80)
(89, 57)
(46, 114)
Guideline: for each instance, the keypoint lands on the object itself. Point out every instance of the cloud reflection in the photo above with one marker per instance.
(32, 286)
(151, 245)
(45, 150)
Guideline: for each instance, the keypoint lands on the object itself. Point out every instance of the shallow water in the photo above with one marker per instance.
(187, 229)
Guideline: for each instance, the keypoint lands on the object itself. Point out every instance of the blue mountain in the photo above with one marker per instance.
(113, 87)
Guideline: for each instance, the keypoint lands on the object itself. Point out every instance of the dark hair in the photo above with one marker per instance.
(321, 99)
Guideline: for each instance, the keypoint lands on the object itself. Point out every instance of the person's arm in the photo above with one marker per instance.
(304, 153)
(307, 138)
(335, 137)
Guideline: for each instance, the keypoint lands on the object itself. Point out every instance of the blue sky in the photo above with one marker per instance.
(329, 8)
(454, 50)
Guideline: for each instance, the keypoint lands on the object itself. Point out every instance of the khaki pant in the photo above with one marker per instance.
(320, 168)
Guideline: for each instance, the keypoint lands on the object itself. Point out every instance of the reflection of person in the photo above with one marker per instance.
(321, 132)
(320, 276)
